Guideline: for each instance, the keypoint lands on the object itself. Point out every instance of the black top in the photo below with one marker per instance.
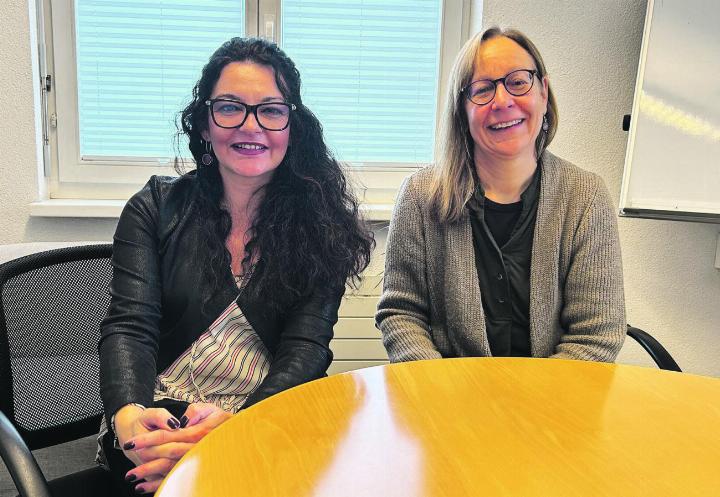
(503, 239)
(163, 300)
(501, 219)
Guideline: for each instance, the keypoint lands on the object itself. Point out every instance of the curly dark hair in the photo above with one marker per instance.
(307, 233)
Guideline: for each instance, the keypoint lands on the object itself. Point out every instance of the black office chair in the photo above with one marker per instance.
(661, 356)
(51, 306)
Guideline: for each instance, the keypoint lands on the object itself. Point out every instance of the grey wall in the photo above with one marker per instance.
(591, 50)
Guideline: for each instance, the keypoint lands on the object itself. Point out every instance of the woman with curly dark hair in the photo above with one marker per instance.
(227, 280)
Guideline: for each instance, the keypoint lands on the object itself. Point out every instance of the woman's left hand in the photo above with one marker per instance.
(163, 449)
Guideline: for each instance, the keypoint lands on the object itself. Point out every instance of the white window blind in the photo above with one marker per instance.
(372, 70)
(370, 73)
(137, 62)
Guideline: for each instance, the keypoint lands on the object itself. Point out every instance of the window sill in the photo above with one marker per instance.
(75, 208)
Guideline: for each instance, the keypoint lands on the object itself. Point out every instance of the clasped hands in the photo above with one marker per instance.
(154, 440)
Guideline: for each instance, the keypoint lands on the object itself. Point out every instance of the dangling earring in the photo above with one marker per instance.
(543, 136)
(207, 159)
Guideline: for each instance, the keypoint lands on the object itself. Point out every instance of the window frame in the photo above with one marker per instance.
(69, 176)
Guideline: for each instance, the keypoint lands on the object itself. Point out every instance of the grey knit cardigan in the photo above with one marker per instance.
(431, 308)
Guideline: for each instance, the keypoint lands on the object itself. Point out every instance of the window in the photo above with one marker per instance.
(370, 74)
(373, 72)
(136, 61)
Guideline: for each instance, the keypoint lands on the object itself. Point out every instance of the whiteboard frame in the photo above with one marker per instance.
(625, 211)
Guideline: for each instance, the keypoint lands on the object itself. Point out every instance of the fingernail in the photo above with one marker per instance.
(130, 477)
(184, 421)
(173, 423)
(139, 489)
(129, 445)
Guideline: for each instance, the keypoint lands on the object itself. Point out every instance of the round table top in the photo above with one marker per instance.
(475, 426)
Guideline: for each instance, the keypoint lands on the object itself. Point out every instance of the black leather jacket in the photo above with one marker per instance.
(157, 307)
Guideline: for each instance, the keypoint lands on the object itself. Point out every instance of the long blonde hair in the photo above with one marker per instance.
(453, 182)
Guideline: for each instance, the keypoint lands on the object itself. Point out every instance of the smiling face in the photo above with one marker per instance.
(505, 128)
(248, 153)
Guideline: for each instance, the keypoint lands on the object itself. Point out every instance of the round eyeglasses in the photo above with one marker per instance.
(272, 116)
(517, 83)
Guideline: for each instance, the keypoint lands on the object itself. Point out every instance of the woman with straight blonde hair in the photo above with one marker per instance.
(501, 248)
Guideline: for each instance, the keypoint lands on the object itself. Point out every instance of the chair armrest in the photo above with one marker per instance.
(661, 356)
(21, 464)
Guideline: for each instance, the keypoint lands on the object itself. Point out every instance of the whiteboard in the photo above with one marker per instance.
(672, 165)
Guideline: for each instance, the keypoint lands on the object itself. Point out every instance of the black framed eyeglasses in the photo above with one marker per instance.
(272, 116)
(517, 83)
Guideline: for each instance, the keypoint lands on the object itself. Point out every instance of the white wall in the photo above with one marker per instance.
(591, 50)
(18, 156)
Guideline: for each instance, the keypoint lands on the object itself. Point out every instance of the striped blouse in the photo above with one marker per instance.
(223, 366)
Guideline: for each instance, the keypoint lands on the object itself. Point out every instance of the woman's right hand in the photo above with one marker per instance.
(132, 420)
(164, 448)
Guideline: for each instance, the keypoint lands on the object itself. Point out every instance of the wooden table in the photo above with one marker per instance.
(481, 426)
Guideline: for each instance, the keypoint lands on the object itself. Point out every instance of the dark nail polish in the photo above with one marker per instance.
(130, 477)
(129, 445)
(173, 423)
(184, 421)
(139, 489)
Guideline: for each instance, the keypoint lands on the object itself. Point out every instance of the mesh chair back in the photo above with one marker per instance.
(51, 307)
